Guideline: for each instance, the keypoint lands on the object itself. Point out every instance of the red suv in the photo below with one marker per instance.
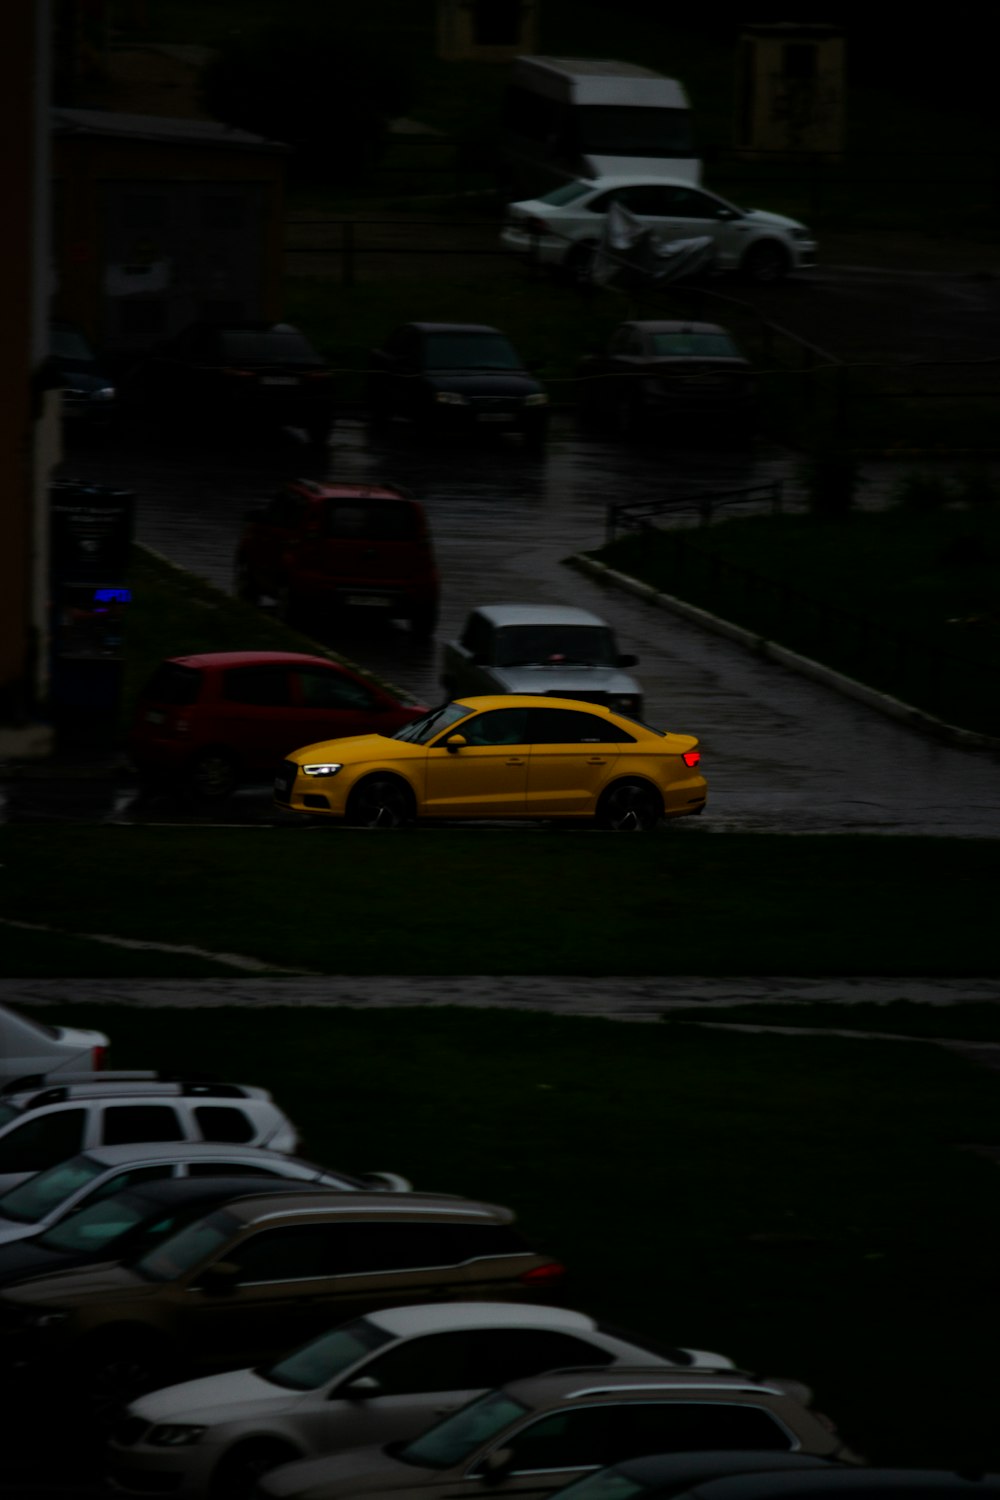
(320, 549)
(210, 721)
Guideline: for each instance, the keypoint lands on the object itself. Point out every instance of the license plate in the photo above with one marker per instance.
(495, 416)
(377, 601)
(154, 716)
(278, 380)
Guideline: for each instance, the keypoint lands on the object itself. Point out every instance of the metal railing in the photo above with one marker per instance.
(640, 515)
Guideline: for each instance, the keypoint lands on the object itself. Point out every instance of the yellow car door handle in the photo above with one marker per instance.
(596, 760)
(516, 760)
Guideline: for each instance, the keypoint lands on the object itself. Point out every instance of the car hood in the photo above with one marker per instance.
(77, 1286)
(779, 221)
(236, 1396)
(358, 747)
(483, 382)
(552, 677)
(353, 1472)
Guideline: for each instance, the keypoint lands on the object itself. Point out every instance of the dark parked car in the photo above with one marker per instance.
(325, 550)
(89, 400)
(667, 376)
(210, 721)
(252, 373)
(451, 379)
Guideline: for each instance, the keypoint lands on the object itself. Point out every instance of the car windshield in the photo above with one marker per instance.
(30, 1201)
(567, 193)
(555, 645)
(461, 1434)
(95, 1226)
(322, 1359)
(469, 351)
(70, 346)
(701, 345)
(187, 1248)
(419, 731)
(606, 1485)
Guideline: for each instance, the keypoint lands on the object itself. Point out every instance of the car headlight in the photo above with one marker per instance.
(106, 393)
(537, 398)
(322, 768)
(175, 1434)
(451, 398)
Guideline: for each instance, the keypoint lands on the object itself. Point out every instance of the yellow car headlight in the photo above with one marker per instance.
(322, 768)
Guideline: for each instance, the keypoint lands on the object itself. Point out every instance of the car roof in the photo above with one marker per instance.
(354, 491)
(632, 1380)
(42, 1093)
(165, 1191)
(675, 325)
(538, 614)
(391, 1206)
(182, 1151)
(202, 659)
(642, 179)
(454, 327)
(846, 1481)
(421, 1317)
(683, 1469)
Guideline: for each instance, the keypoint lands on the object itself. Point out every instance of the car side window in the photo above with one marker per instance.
(122, 1180)
(498, 1355)
(563, 726)
(296, 1252)
(679, 1426)
(43, 1141)
(320, 689)
(265, 686)
(438, 1362)
(123, 1124)
(224, 1122)
(576, 1439)
(500, 726)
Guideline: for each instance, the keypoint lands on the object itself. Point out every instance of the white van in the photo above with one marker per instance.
(30, 1048)
(569, 117)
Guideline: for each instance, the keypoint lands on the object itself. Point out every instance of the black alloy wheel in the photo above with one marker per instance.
(239, 1470)
(380, 802)
(630, 807)
(214, 775)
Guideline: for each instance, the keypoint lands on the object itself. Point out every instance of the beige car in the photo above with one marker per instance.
(534, 1435)
(258, 1276)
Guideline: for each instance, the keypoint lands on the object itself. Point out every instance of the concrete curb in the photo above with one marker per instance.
(883, 703)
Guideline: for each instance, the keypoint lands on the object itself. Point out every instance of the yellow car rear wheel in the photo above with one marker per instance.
(630, 807)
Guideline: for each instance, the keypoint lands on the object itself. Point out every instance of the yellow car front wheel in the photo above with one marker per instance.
(381, 802)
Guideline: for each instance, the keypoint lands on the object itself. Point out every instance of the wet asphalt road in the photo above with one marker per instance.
(782, 754)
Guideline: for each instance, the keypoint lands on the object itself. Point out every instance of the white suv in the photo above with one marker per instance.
(564, 229)
(45, 1125)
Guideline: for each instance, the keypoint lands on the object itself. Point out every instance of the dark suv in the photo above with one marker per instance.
(321, 550)
(259, 1275)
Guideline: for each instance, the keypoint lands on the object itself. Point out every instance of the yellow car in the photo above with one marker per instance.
(509, 756)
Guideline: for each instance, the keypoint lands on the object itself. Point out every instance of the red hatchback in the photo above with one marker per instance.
(209, 722)
(321, 550)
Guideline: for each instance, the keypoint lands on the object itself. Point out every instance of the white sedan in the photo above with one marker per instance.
(384, 1377)
(564, 229)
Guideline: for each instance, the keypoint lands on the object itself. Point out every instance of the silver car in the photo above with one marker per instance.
(551, 649)
(384, 1377)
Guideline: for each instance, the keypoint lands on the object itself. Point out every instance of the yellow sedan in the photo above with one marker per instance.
(509, 756)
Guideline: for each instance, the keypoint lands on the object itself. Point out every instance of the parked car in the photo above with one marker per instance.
(250, 373)
(531, 1436)
(852, 1484)
(50, 1197)
(89, 398)
(667, 376)
(664, 1475)
(244, 1283)
(208, 722)
(540, 648)
(451, 379)
(563, 229)
(123, 1223)
(384, 1377)
(323, 551)
(42, 1126)
(30, 1049)
(501, 757)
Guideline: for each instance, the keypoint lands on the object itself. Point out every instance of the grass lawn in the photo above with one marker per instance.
(804, 1205)
(902, 600)
(508, 901)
